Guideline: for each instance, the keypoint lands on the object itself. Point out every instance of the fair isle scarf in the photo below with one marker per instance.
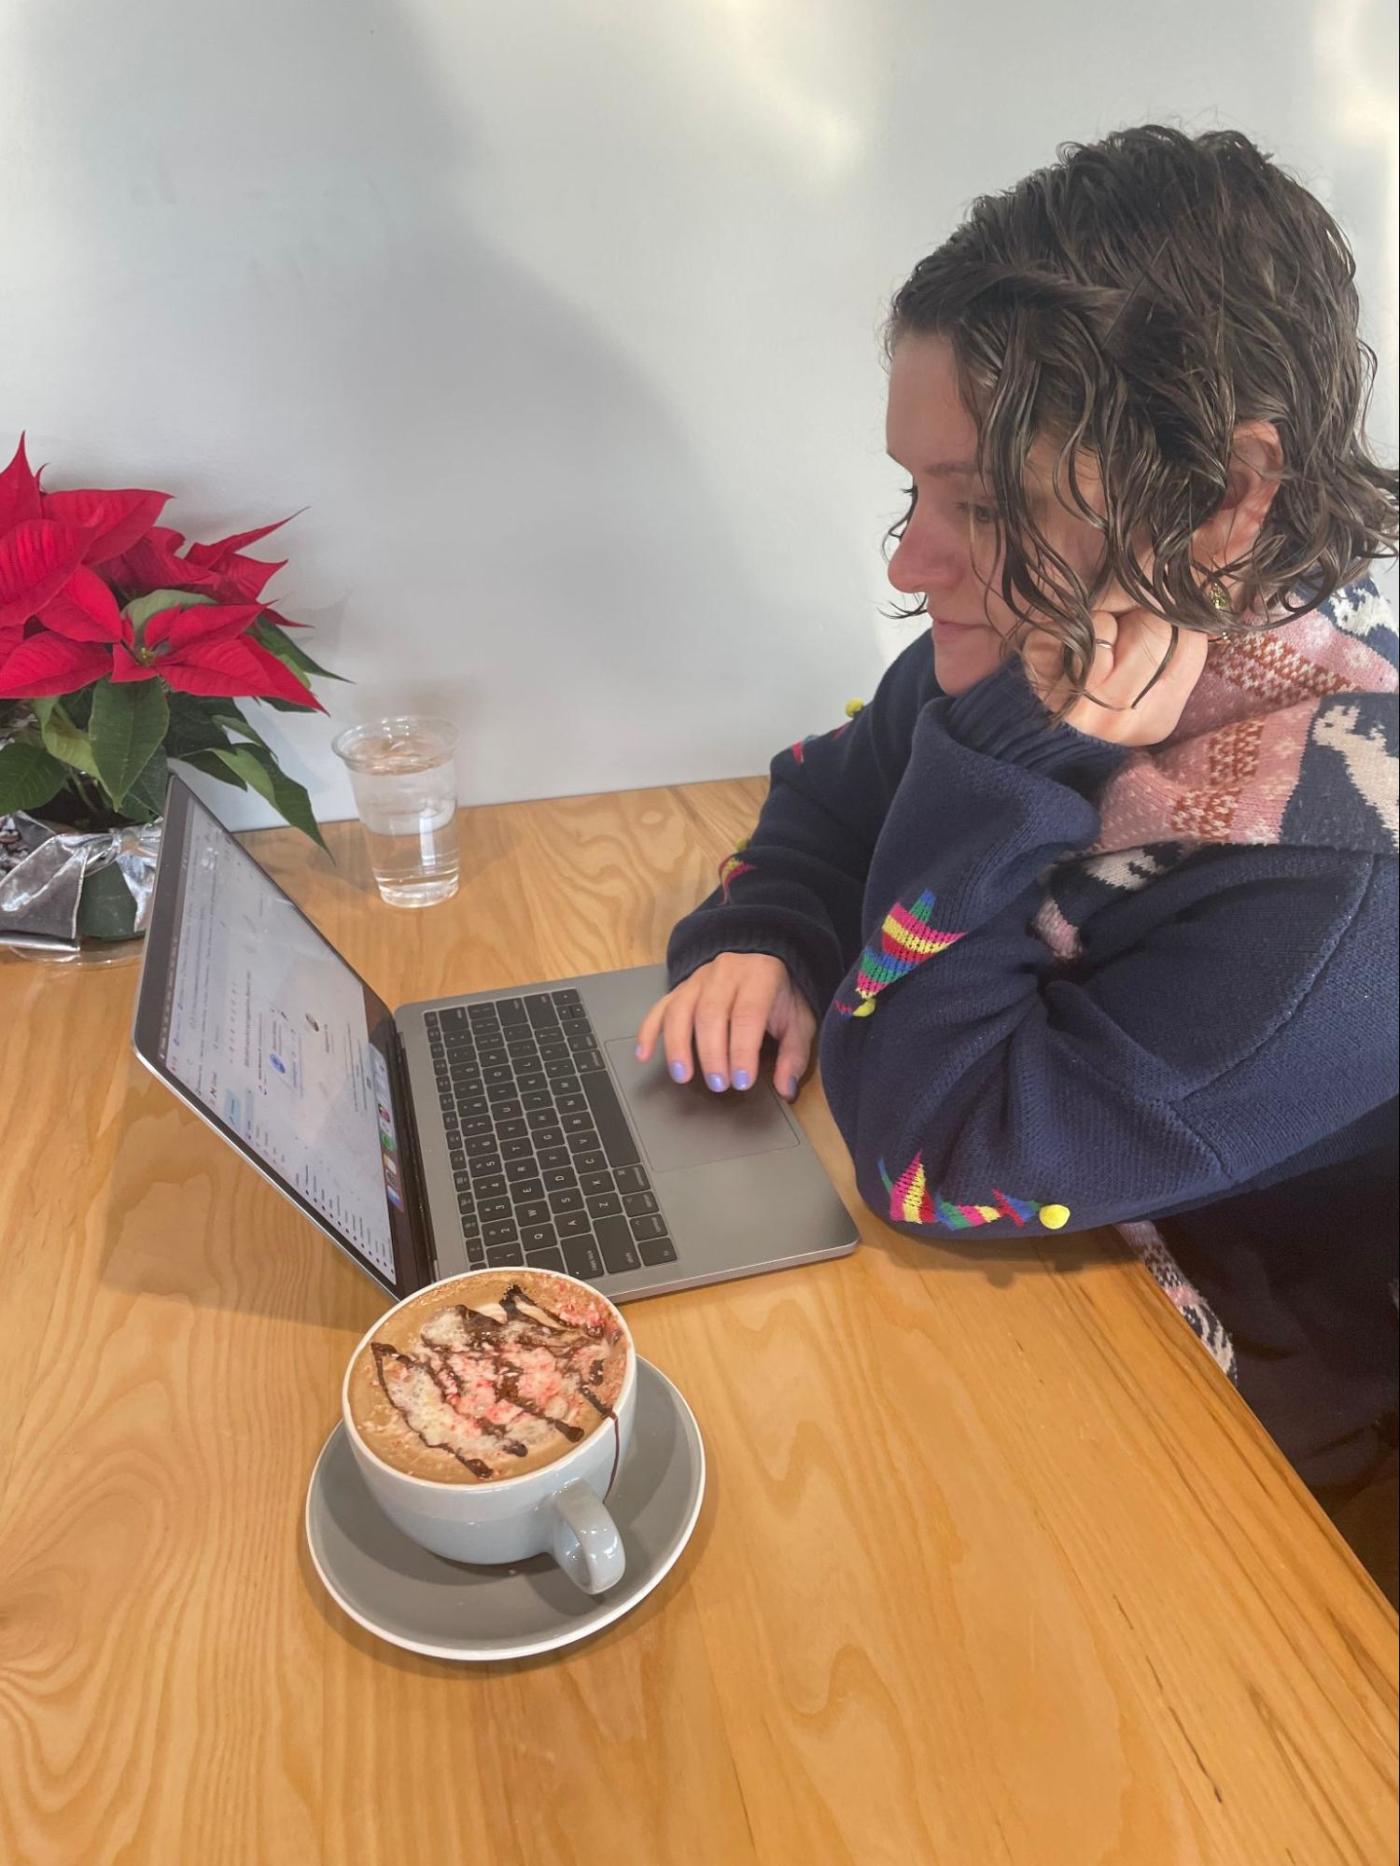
(1290, 737)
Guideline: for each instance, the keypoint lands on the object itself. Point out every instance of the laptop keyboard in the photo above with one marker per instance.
(546, 1169)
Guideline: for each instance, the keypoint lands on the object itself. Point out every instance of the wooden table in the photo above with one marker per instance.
(993, 1568)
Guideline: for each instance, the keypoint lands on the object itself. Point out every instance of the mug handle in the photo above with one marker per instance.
(586, 1543)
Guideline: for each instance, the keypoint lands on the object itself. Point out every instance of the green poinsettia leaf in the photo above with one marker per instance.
(212, 765)
(145, 801)
(260, 772)
(128, 723)
(63, 738)
(227, 715)
(196, 725)
(29, 775)
(140, 609)
(277, 641)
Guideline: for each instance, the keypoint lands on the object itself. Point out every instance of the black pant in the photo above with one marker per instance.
(1303, 1274)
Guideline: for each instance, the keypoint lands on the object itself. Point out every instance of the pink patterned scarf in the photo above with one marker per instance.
(1289, 737)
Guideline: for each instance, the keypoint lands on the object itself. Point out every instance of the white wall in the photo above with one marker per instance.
(560, 317)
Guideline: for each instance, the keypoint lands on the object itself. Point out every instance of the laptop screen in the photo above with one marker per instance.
(256, 1020)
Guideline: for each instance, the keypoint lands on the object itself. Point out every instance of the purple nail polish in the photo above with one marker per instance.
(742, 1078)
(639, 1053)
(790, 1088)
(679, 1072)
(717, 1083)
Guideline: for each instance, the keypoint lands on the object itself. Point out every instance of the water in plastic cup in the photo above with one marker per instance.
(405, 783)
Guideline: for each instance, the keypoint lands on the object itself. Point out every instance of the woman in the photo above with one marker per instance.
(1096, 906)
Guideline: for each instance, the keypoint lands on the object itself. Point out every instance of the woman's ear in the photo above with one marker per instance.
(1256, 468)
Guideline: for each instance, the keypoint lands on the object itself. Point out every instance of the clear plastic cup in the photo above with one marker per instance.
(404, 775)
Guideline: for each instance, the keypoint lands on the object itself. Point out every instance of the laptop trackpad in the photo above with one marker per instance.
(688, 1124)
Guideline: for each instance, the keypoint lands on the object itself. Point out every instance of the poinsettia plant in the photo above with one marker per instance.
(123, 648)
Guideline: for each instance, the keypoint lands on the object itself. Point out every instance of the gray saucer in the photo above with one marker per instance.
(450, 1611)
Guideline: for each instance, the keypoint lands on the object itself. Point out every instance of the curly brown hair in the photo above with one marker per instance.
(1136, 301)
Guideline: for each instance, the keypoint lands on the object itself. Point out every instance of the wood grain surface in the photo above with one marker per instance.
(994, 1569)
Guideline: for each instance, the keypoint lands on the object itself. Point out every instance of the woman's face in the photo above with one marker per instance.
(948, 553)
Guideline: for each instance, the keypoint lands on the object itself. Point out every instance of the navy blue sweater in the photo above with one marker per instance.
(1225, 1043)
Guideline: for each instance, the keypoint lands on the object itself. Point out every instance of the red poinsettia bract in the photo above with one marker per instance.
(70, 560)
(207, 650)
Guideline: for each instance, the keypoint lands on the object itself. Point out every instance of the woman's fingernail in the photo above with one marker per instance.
(790, 1088)
(742, 1078)
(640, 1054)
(679, 1071)
(717, 1083)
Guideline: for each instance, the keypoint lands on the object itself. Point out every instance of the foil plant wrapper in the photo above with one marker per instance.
(43, 872)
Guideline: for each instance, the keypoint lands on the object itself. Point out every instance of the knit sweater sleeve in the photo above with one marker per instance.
(796, 887)
(1251, 1013)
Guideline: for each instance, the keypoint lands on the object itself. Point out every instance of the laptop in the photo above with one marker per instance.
(496, 1129)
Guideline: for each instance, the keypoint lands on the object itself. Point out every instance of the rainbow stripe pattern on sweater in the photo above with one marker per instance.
(799, 750)
(912, 1203)
(730, 870)
(907, 938)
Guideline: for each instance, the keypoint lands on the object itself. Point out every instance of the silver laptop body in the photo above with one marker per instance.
(497, 1128)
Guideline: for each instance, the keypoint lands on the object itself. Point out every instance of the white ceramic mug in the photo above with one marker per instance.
(556, 1509)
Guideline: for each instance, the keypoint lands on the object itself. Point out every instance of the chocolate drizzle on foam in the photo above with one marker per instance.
(468, 1392)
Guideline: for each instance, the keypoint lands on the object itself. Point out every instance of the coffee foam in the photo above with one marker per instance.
(488, 1376)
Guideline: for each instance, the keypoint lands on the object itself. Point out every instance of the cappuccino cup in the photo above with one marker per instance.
(489, 1415)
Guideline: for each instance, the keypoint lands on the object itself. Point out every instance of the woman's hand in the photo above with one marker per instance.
(725, 1009)
(1132, 644)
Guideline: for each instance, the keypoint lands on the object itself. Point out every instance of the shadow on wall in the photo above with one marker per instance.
(264, 288)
